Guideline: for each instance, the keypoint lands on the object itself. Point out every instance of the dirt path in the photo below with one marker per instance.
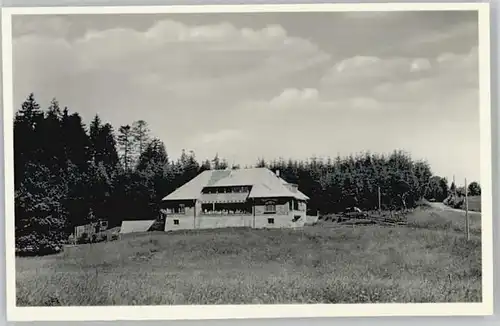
(443, 207)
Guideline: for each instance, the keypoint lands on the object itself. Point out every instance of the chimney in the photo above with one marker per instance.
(278, 173)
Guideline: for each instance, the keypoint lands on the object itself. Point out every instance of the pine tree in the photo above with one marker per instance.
(108, 147)
(205, 166)
(126, 144)
(140, 132)
(261, 163)
(26, 138)
(94, 137)
(453, 187)
(152, 183)
(76, 142)
(216, 162)
(40, 215)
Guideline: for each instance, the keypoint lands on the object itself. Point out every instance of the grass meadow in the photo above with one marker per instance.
(474, 203)
(427, 261)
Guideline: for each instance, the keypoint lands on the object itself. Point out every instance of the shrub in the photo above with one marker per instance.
(84, 238)
(38, 244)
(158, 225)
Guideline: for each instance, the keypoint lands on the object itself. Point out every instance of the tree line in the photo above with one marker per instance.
(68, 174)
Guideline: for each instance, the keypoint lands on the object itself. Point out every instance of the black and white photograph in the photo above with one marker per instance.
(270, 159)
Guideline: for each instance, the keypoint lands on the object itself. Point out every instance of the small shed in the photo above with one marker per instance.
(135, 226)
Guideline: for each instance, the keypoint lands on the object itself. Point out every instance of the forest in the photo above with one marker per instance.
(68, 173)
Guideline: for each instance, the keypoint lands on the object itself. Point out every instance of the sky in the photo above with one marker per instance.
(267, 85)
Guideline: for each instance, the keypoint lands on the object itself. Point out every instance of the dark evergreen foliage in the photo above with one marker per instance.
(474, 189)
(67, 175)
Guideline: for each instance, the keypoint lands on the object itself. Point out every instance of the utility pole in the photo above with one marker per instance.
(379, 202)
(454, 190)
(466, 212)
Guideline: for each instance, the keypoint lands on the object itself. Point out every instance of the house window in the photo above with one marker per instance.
(182, 209)
(176, 222)
(270, 221)
(270, 207)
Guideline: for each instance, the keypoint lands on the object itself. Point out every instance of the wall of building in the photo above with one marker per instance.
(223, 221)
(282, 206)
(213, 222)
(280, 221)
(186, 222)
(283, 218)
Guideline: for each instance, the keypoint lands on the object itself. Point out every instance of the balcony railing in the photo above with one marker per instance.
(225, 213)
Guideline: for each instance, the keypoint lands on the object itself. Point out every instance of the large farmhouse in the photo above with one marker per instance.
(256, 198)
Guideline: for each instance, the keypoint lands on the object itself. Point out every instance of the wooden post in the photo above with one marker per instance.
(379, 203)
(467, 212)
(253, 211)
(194, 215)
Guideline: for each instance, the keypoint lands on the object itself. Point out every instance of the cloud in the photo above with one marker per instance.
(452, 75)
(210, 52)
(41, 25)
(466, 61)
(293, 96)
(420, 65)
(364, 69)
(265, 91)
(206, 60)
(196, 73)
(220, 136)
(456, 32)
(361, 83)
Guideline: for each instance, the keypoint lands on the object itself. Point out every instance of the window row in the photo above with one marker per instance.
(226, 190)
(269, 221)
(226, 209)
(234, 208)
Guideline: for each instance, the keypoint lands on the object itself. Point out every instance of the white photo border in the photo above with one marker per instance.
(198, 312)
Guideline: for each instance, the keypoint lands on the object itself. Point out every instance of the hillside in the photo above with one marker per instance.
(474, 203)
(459, 202)
(427, 261)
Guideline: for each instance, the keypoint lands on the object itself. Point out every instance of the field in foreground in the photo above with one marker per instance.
(426, 261)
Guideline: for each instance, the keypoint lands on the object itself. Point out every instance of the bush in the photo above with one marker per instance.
(38, 244)
(158, 225)
(454, 201)
(84, 238)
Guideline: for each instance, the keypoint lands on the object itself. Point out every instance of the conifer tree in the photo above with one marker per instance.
(126, 144)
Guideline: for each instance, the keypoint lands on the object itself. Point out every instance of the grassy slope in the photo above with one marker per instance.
(475, 203)
(426, 262)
